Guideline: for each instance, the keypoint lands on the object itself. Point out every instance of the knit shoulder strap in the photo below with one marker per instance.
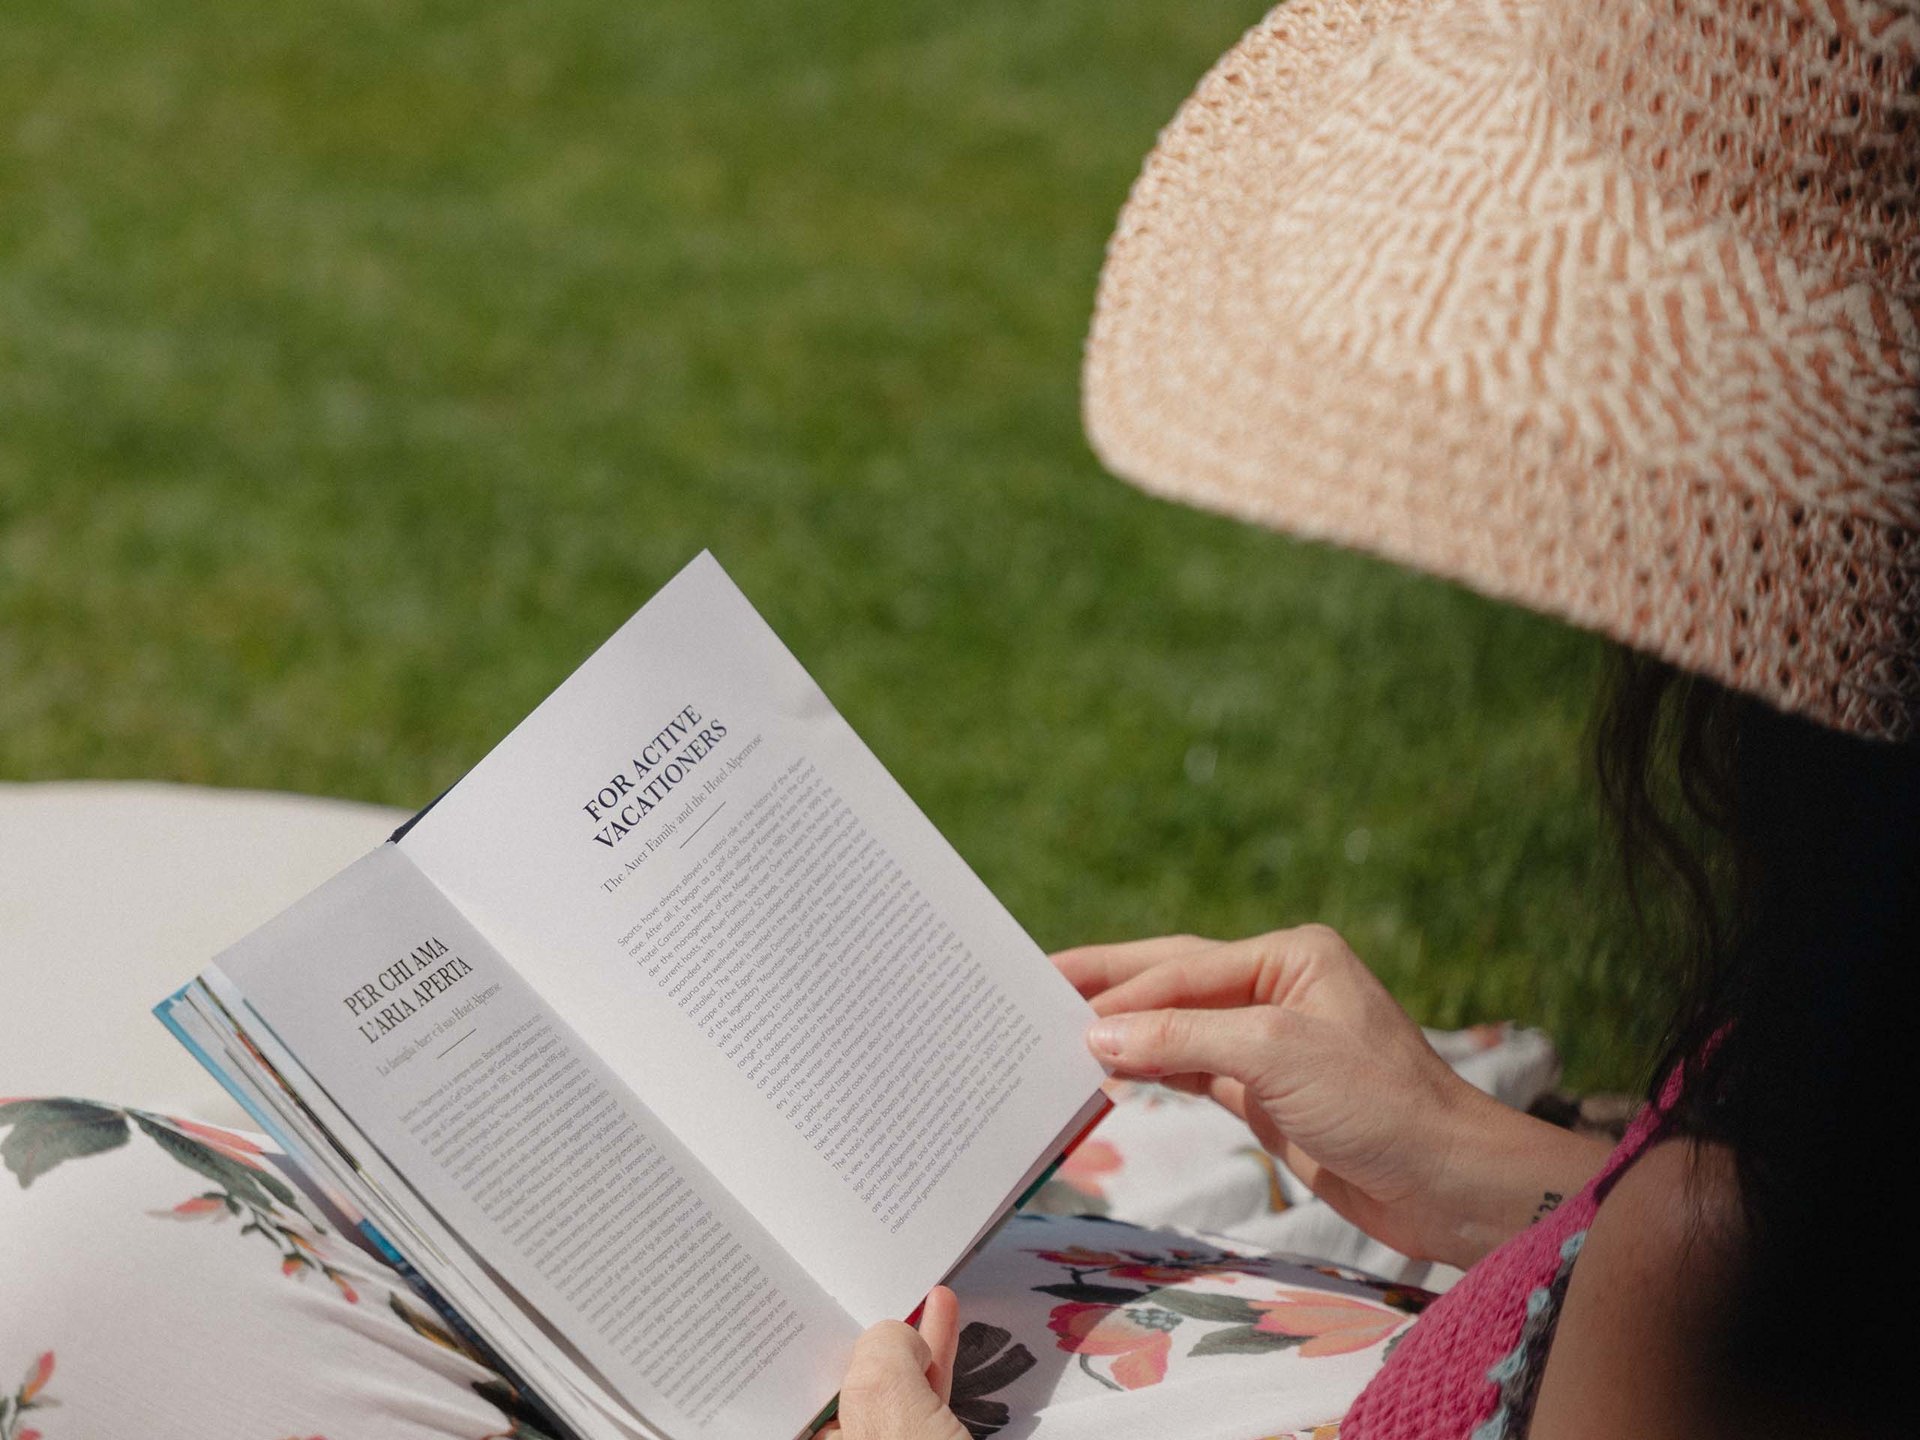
(1471, 1361)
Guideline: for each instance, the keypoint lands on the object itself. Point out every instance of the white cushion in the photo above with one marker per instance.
(115, 893)
(164, 1282)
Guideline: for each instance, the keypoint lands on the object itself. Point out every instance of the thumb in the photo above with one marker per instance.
(886, 1395)
(1150, 1043)
(890, 1354)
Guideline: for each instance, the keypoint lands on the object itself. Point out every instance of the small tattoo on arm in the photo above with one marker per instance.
(1549, 1202)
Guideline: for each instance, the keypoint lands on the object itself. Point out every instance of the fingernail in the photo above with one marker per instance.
(1108, 1038)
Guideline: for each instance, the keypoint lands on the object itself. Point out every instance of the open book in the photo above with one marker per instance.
(670, 1048)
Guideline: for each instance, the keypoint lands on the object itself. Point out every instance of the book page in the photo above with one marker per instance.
(693, 859)
(365, 1196)
(539, 1158)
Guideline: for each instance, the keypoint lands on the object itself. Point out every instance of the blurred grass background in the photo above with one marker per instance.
(364, 363)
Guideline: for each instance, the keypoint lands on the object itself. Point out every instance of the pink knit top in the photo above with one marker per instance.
(1471, 1365)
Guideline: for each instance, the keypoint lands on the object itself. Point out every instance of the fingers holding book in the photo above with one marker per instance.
(900, 1378)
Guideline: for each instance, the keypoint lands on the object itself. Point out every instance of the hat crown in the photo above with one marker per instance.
(1610, 307)
(1795, 121)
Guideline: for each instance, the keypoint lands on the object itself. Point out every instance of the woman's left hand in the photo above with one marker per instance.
(899, 1379)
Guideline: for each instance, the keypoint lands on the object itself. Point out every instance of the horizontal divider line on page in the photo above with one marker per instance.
(456, 1045)
(703, 824)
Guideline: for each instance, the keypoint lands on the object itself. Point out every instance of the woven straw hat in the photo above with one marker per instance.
(1609, 307)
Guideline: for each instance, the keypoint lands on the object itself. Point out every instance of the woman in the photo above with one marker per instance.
(1611, 309)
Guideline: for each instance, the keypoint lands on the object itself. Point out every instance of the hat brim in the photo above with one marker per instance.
(1372, 288)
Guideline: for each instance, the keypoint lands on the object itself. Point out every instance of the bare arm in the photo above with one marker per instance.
(1292, 1033)
(1509, 1169)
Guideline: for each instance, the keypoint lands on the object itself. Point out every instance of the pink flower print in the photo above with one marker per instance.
(38, 1374)
(1178, 1267)
(1137, 1339)
(27, 1397)
(235, 1147)
(200, 1207)
(1334, 1324)
(1084, 1170)
(1078, 1257)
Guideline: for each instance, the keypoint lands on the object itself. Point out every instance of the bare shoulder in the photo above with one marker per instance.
(1675, 1212)
(1659, 1267)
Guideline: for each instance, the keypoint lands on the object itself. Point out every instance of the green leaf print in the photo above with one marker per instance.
(256, 1187)
(1196, 1305)
(1089, 1294)
(45, 1133)
(1244, 1340)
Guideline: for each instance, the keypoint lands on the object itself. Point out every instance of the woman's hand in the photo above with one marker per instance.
(1293, 1034)
(899, 1379)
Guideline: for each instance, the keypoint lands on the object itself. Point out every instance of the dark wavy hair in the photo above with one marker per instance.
(1781, 861)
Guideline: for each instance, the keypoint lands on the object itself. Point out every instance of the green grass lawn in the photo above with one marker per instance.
(363, 363)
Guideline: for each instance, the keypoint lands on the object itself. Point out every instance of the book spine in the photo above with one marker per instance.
(261, 1116)
(1061, 1159)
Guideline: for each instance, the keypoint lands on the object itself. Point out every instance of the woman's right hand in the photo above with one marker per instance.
(1292, 1033)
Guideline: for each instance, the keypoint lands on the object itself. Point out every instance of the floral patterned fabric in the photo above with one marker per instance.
(1082, 1326)
(1162, 1158)
(165, 1279)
